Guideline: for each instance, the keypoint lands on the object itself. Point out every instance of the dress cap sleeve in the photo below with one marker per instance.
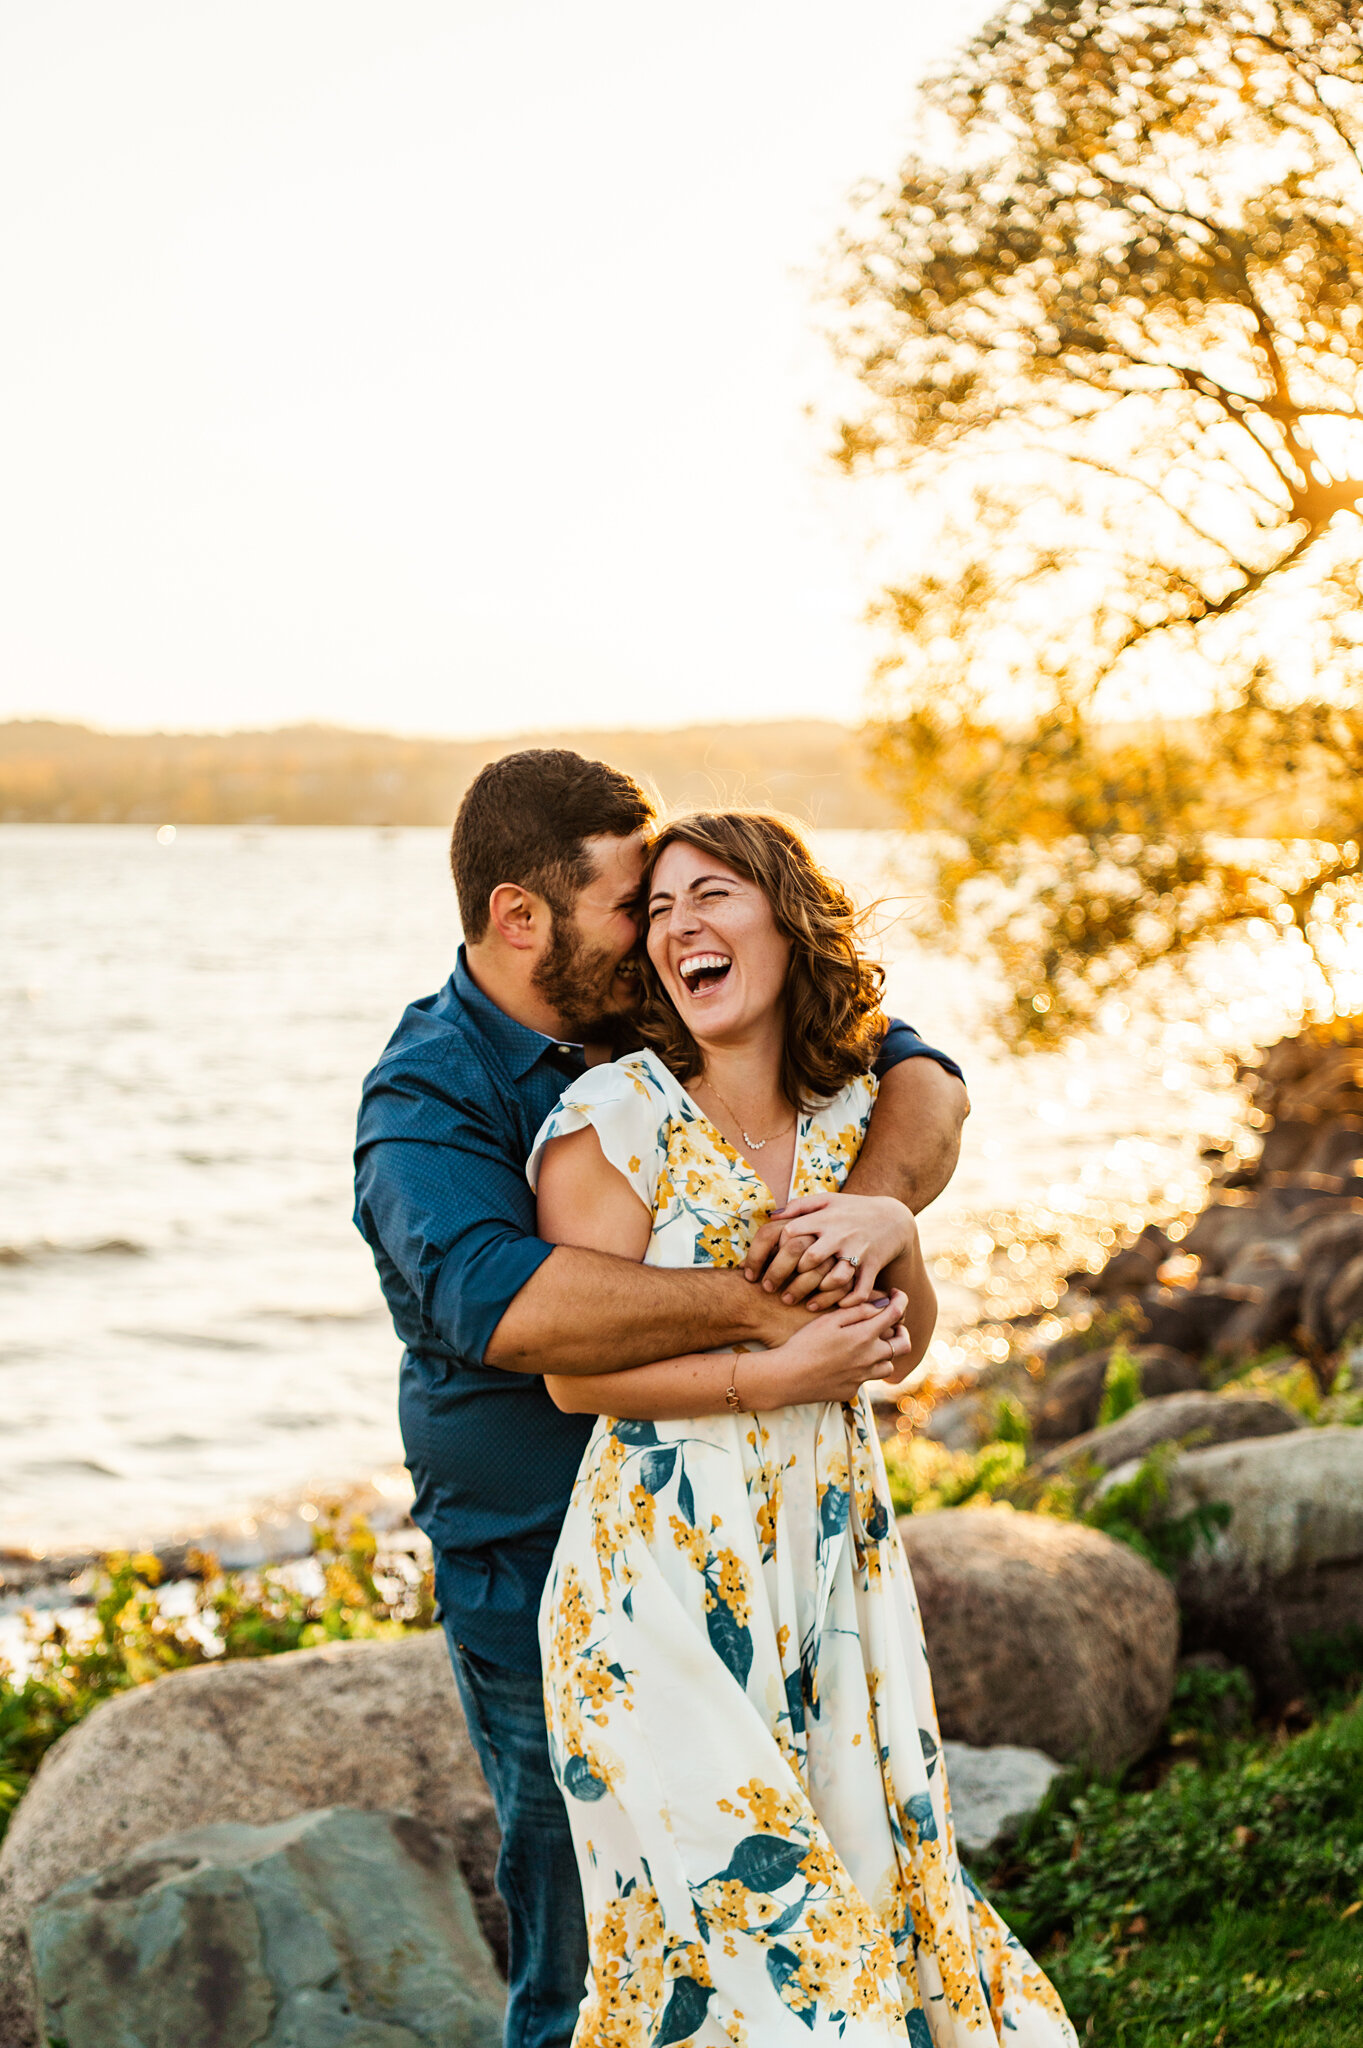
(625, 1104)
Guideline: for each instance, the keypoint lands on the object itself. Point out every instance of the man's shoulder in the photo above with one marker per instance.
(435, 1057)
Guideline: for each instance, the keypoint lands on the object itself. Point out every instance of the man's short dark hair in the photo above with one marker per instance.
(524, 819)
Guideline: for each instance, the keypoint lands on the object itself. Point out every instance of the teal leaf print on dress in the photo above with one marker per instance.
(783, 1966)
(929, 1748)
(764, 1863)
(635, 1432)
(833, 1512)
(730, 1640)
(919, 1809)
(684, 2012)
(656, 1468)
(580, 1779)
(686, 1500)
(920, 2033)
(795, 1702)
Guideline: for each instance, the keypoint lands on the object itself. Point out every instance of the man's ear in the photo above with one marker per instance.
(518, 916)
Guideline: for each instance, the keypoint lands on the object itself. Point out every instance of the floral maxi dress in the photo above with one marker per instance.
(737, 1691)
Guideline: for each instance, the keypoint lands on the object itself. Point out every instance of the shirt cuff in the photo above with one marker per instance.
(471, 1295)
(901, 1042)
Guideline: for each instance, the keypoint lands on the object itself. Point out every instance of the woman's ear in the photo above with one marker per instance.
(518, 916)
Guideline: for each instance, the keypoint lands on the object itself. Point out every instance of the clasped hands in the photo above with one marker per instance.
(830, 1252)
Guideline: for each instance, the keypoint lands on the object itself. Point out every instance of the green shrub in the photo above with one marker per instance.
(1136, 1512)
(924, 1475)
(1170, 1914)
(1012, 1423)
(1121, 1387)
(133, 1635)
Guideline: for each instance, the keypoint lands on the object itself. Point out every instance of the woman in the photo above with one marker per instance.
(736, 1688)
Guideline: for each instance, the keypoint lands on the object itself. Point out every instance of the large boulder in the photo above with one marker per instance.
(336, 1929)
(1066, 1403)
(373, 1725)
(1329, 1247)
(1295, 1500)
(1289, 1561)
(1203, 1417)
(1043, 1634)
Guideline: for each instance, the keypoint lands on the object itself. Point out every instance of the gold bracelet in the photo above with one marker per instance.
(731, 1391)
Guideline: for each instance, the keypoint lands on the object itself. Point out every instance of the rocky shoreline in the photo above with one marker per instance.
(1239, 1353)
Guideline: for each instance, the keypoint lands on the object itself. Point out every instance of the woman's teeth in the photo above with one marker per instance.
(704, 970)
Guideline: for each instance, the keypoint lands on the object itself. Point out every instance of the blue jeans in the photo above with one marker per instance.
(536, 1867)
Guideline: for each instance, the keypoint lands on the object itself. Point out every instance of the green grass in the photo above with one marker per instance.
(1219, 1908)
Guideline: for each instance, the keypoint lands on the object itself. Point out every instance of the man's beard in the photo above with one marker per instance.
(578, 981)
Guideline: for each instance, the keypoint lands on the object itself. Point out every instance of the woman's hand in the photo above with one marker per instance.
(829, 1359)
(831, 1248)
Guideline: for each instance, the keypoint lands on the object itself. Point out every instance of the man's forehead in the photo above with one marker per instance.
(617, 863)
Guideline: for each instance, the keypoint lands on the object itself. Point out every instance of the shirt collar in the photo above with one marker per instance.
(519, 1045)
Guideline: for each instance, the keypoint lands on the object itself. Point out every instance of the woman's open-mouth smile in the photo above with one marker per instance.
(703, 973)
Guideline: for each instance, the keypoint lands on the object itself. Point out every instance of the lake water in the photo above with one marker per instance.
(189, 1323)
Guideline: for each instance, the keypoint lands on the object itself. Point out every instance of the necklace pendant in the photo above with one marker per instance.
(753, 1144)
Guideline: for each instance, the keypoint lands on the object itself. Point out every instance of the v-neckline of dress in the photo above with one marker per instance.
(745, 1165)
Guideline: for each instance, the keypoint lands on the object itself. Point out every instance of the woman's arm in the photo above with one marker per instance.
(585, 1201)
(827, 1360)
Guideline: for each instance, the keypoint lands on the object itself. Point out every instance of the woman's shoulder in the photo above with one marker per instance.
(627, 1102)
(855, 1099)
(637, 1075)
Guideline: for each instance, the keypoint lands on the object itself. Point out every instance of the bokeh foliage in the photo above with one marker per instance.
(1107, 325)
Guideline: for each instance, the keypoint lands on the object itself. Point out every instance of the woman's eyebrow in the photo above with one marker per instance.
(696, 882)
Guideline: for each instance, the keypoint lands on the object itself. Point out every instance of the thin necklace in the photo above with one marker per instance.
(753, 1144)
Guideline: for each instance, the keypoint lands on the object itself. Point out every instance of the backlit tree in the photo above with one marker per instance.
(1108, 321)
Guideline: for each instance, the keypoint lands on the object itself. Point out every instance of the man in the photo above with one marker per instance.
(547, 855)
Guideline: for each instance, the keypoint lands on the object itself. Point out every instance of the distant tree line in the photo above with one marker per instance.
(53, 773)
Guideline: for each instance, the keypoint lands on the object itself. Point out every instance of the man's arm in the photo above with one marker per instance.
(913, 1140)
(586, 1312)
(456, 1220)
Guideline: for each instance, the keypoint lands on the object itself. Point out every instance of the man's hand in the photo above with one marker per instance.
(854, 1238)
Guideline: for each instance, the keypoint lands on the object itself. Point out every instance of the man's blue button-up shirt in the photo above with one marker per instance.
(447, 1119)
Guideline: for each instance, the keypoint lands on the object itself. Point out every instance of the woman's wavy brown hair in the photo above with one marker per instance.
(834, 1022)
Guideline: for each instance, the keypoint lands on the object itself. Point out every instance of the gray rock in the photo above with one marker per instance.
(335, 1929)
(1193, 1319)
(1296, 1499)
(1171, 1418)
(1224, 1228)
(1290, 1562)
(1328, 1246)
(1043, 1634)
(1344, 1302)
(375, 1725)
(964, 1422)
(1067, 1402)
(1127, 1272)
(1267, 1317)
(993, 1791)
(1290, 1144)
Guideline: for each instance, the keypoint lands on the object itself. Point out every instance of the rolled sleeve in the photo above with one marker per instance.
(901, 1042)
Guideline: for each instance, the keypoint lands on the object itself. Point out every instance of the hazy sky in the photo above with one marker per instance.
(432, 367)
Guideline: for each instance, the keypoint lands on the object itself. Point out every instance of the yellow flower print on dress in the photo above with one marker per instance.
(777, 1866)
